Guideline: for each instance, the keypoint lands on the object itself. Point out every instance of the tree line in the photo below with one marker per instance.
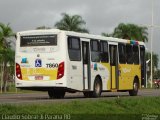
(6, 55)
(70, 23)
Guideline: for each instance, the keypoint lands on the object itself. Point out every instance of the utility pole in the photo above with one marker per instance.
(152, 24)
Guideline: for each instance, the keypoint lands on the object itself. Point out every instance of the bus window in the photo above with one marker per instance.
(122, 52)
(129, 54)
(95, 48)
(104, 51)
(143, 65)
(85, 53)
(135, 54)
(74, 49)
(142, 54)
(113, 55)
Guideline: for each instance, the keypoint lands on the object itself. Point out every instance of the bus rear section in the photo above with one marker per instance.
(40, 62)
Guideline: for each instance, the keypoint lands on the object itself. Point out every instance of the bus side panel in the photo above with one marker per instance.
(75, 75)
(102, 70)
(127, 74)
(74, 70)
(107, 77)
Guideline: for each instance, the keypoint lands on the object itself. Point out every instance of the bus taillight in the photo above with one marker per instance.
(60, 73)
(18, 71)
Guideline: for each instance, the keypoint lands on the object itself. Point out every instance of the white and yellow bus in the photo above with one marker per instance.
(63, 61)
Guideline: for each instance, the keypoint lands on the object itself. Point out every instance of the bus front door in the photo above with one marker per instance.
(86, 65)
(114, 66)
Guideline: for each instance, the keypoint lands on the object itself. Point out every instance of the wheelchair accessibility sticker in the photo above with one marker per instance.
(38, 63)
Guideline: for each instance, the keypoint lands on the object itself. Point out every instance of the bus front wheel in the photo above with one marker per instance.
(134, 91)
(97, 87)
(56, 94)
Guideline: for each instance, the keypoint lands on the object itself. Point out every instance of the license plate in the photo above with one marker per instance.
(38, 77)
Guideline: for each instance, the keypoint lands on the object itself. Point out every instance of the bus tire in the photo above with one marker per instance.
(56, 94)
(59, 94)
(50, 93)
(134, 91)
(97, 88)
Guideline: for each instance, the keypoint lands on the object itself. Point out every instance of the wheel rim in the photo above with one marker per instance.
(97, 88)
(135, 86)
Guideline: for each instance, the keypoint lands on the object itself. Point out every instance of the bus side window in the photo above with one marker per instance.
(135, 54)
(122, 53)
(85, 53)
(129, 54)
(104, 51)
(143, 65)
(95, 48)
(142, 55)
(74, 48)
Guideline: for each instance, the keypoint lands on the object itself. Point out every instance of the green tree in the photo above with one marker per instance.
(130, 32)
(155, 59)
(154, 63)
(157, 74)
(6, 53)
(71, 23)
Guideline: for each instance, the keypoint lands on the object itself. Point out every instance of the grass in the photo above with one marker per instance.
(113, 109)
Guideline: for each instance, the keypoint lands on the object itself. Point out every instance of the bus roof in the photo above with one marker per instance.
(77, 34)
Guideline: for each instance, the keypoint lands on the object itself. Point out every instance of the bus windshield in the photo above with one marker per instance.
(38, 40)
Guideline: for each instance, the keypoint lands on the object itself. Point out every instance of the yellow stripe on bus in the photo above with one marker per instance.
(26, 72)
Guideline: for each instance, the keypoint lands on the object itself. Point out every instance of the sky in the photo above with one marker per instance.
(100, 15)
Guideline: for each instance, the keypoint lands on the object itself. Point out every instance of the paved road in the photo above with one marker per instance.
(42, 97)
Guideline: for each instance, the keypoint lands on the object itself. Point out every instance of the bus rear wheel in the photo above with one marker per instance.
(56, 94)
(134, 91)
(50, 93)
